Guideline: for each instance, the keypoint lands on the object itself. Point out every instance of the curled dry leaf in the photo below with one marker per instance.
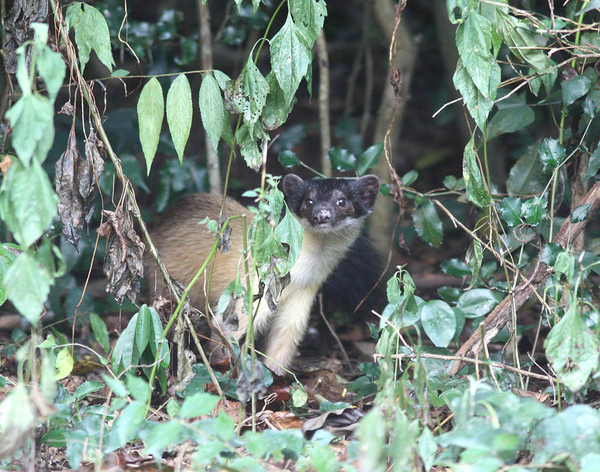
(340, 422)
(5, 164)
(124, 262)
(76, 184)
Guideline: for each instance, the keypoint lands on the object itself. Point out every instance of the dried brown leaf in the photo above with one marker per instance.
(124, 262)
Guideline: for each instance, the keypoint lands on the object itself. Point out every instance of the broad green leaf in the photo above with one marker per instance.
(427, 448)
(477, 191)
(222, 78)
(510, 210)
(161, 436)
(474, 43)
(212, 109)
(428, 223)
(290, 58)
(589, 6)
(288, 159)
(565, 265)
(199, 404)
(513, 114)
(87, 387)
(116, 386)
(7, 258)
(458, 10)
(290, 232)
(276, 111)
(572, 349)
(32, 123)
(126, 426)
(478, 302)
(439, 322)
(27, 286)
(299, 397)
(309, 16)
(91, 33)
(63, 363)
(250, 92)
(342, 159)
(180, 112)
(139, 388)
(533, 210)
(369, 158)
(527, 176)
(410, 177)
(552, 153)
(151, 111)
(100, 331)
(478, 104)
(52, 69)
(143, 330)
(575, 88)
(593, 165)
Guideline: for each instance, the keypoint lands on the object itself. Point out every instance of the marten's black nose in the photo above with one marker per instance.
(321, 216)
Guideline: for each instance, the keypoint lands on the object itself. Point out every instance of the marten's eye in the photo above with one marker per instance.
(341, 202)
(308, 203)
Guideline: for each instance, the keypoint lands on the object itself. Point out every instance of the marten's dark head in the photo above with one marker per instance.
(330, 203)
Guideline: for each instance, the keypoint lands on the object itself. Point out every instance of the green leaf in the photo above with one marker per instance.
(299, 397)
(439, 322)
(63, 363)
(248, 147)
(428, 223)
(160, 437)
(212, 109)
(32, 123)
(575, 88)
(593, 165)
(126, 426)
(527, 176)
(250, 92)
(513, 114)
(143, 330)
(477, 191)
(198, 404)
(410, 177)
(52, 69)
(288, 158)
(290, 58)
(151, 111)
(552, 153)
(28, 285)
(276, 111)
(474, 258)
(309, 16)
(7, 258)
(510, 211)
(369, 158)
(289, 231)
(580, 213)
(116, 386)
(139, 388)
(342, 159)
(478, 302)
(534, 210)
(91, 33)
(27, 202)
(180, 112)
(124, 355)
(100, 331)
(456, 268)
(427, 448)
(87, 387)
(572, 349)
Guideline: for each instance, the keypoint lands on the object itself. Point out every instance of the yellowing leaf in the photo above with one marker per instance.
(64, 363)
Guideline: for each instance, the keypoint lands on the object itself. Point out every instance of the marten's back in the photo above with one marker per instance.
(184, 245)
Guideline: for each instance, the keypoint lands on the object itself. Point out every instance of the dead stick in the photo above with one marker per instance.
(500, 316)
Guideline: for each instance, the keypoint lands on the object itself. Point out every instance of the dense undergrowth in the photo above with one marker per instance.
(453, 384)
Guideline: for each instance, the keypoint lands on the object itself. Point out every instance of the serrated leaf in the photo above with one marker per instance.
(572, 349)
(510, 211)
(428, 223)
(7, 258)
(551, 153)
(369, 158)
(27, 286)
(180, 112)
(248, 147)
(276, 111)
(290, 58)
(580, 213)
(289, 231)
(91, 33)
(52, 69)
(32, 122)
(534, 210)
(593, 165)
(479, 106)
(27, 202)
(151, 111)
(211, 109)
(309, 16)
(476, 189)
(250, 92)
(439, 322)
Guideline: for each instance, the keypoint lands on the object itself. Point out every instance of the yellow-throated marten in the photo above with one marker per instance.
(329, 210)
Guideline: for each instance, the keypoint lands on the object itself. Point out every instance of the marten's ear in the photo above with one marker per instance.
(292, 185)
(368, 188)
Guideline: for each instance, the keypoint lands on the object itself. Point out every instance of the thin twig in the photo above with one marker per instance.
(333, 333)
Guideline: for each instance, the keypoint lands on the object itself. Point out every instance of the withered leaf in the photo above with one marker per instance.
(17, 29)
(251, 380)
(124, 262)
(75, 185)
(341, 422)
